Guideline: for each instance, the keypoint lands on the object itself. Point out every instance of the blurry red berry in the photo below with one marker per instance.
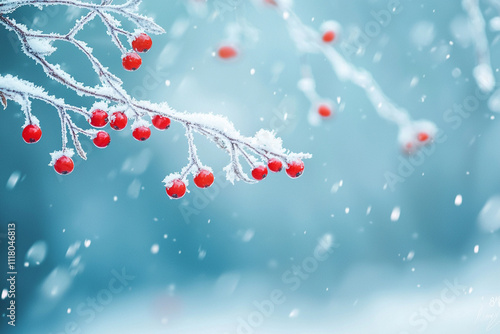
(204, 179)
(99, 118)
(227, 52)
(275, 165)
(422, 137)
(161, 122)
(131, 61)
(328, 36)
(259, 173)
(324, 110)
(102, 139)
(32, 133)
(141, 133)
(142, 43)
(295, 168)
(64, 165)
(177, 189)
(118, 120)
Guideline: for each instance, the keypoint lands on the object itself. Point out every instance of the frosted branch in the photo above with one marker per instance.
(412, 134)
(483, 73)
(38, 45)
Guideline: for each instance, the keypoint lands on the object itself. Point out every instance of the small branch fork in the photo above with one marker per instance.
(214, 127)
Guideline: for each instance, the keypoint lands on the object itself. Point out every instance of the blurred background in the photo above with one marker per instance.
(339, 250)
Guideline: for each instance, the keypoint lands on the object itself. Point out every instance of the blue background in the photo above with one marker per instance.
(222, 249)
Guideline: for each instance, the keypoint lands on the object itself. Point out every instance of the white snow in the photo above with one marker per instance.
(396, 212)
(37, 253)
(489, 216)
(69, 152)
(40, 45)
(13, 179)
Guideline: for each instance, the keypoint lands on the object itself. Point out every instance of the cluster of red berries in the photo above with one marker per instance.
(131, 61)
(422, 138)
(98, 119)
(294, 169)
(205, 178)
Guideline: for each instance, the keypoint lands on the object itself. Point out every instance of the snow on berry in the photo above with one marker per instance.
(415, 135)
(102, 139)
(259, 173)
(118, 120)
(141, 130)
(161, 122)
(295, 168)
(32, 133)
(141, 133)
(330, 31)
(177, 189)
(175, 186)
(204, 178)
(131, 61)
(275, 165)
(328, 36)
(142, 43)
(98, 118)
(62, 162)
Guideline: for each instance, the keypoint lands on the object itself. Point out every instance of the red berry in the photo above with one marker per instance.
(99, 118)
(275, 165)
(295, 168)
(32, 133)
(118, 120)
(328, 36)
(324, 110)
(102, 139)
(408, 148)
(64, 165)
(259, 173)
(142, 43)
(177, 189)
(131, 61)
(204, 179)
(422, 137)
(226, 52)
(160, 122)
(141, 133)
(271, 2)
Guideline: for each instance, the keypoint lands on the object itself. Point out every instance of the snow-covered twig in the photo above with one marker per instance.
(38, 45)
(483, 73)
(412, 134)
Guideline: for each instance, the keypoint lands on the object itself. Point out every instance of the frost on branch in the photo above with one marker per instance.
(483, 73)
(113, 104)
(412, 134)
